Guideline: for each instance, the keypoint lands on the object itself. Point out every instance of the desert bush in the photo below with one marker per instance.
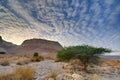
(5, 62)
(52, 74)
(20, 73)
(25, 73)
(36, 57)
(35, 54)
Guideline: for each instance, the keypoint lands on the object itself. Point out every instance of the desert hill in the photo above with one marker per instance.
(30, 46)
(38, 45)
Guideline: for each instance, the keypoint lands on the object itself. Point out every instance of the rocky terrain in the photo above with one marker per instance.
(51, 70)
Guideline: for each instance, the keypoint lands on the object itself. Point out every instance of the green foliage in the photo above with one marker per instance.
(35, 54)
(36, 57)
(87, 54)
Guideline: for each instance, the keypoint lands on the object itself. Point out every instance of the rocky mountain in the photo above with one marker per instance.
(38, 45)
(30, 46)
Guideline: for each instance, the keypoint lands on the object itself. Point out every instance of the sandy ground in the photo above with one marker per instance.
(46, 66)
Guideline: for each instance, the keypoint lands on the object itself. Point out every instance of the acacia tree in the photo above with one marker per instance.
(86, 54)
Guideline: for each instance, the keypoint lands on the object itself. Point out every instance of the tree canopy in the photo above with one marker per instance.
(87, 54)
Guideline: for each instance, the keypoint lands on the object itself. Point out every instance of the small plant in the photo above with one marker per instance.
(5, 62)
(52, 74)
(37, 58)
(36, 54)
(25, 73)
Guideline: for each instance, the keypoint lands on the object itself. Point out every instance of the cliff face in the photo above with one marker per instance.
(30, 46)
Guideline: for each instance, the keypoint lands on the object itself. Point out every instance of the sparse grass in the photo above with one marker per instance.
(111, 62)
(25, 73)
(52, 74)
(8, 76)
(20, 73)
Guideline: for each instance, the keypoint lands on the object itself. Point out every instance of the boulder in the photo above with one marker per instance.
(64, 76)
(51, 79)
(77, 77)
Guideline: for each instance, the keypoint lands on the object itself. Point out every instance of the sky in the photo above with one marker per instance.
(70, 22)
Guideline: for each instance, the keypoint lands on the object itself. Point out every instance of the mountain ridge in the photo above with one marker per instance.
(31, 45)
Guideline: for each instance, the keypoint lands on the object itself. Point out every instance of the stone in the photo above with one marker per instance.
(77, 77)
(51, 79)
(64, 76)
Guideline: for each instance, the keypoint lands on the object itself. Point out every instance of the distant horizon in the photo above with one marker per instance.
(68, 46)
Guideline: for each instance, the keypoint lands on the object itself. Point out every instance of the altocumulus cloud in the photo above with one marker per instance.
(71, 22)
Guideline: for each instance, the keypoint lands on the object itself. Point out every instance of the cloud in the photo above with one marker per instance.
(70, 23)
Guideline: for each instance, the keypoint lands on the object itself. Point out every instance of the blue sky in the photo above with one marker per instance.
(70, 22)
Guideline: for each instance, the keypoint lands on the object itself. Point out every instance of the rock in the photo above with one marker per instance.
(64, 76)
(51, 79)
(77, 77)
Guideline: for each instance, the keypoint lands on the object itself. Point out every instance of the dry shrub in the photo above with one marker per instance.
(52, 74)
(20, 73)
(37, 59)
(5, 62)
(25, 73)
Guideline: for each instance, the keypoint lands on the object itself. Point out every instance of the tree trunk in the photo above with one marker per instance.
(85, 67)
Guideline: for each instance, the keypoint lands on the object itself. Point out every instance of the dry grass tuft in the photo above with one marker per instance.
(5, 62)
(25, 73)
(8, 76)
(20, 73)
(52, 74)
